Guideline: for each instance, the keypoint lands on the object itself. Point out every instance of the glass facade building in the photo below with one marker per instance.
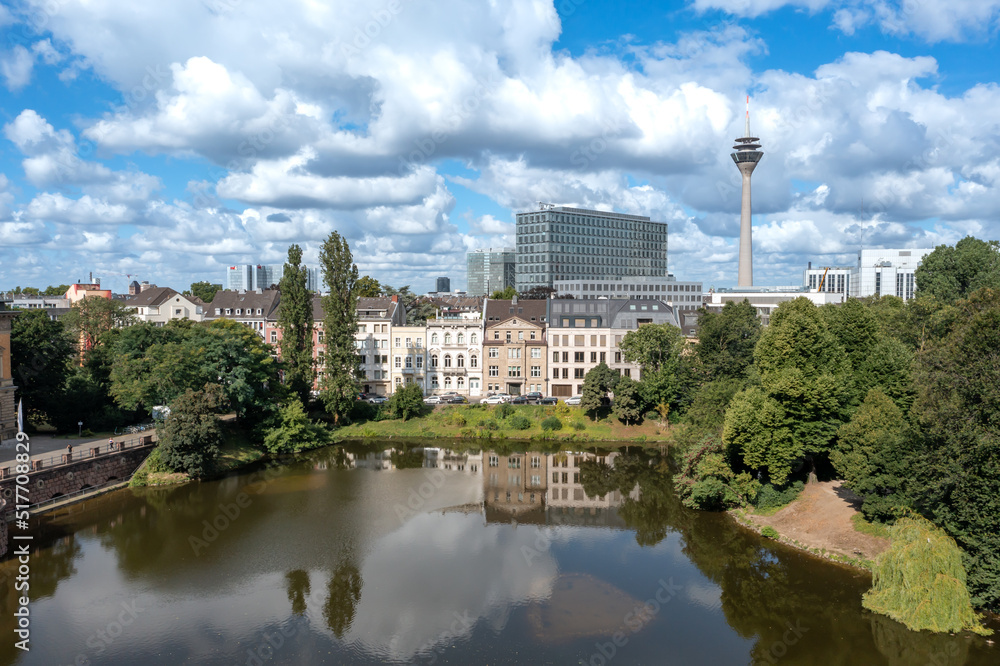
(562, 243)
(489, 270)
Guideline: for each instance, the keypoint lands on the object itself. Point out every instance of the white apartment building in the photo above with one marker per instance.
(376, 319)
(583, 334)
(162, 304)
(409, 357)
(455, 356)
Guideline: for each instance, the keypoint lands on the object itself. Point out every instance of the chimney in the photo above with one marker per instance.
(513, 301)
(395, 298)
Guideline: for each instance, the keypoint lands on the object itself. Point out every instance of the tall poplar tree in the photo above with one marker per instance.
(339, 385)
(295, 319)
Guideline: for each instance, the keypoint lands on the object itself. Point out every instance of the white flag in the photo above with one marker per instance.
(20, 415)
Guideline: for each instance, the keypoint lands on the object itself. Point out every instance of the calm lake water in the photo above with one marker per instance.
(358, 555)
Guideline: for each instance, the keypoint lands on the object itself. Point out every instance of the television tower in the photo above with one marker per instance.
(747, 155)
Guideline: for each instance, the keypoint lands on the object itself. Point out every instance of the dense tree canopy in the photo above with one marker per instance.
(726, 339)
(204, 290)
(41, 351)
(189, 441)
(951, 273)
(368, 287)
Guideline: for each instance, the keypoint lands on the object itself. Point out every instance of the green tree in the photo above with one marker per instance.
(191, 437)
(41, 351)
(957, 413)
(627, 406)
(726, 339)
(657, 349)
(339, 384)
(203, 290)
(872, 456)
(599, 380)
(90, 318)
(407, 402)
(504, 294)
(295, 320)
(368, 287)
(952, 273)
(803, 395)
(294, 431)
(56, 290)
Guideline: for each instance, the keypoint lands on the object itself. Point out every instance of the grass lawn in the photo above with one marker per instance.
(505, 422)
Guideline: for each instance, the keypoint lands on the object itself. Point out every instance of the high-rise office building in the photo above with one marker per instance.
(563, 243)
(877, 273)
(443, 285)
(490, 270)
(247, 277)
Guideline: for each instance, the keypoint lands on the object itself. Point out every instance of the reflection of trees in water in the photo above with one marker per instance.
(795, 606)
(341, 604)
(407, 458)
(49, 566)
(298, 589)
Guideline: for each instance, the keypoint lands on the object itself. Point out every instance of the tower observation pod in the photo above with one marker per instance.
(747, 155)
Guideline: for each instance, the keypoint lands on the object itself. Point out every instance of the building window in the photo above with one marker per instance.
(399, 380)
(536, 371)
(473, 339)
(536, 462)
(565, 373)
(555, 357)
(532, 336)
(434, 382)
(536, 352)
(578, 373)
(555, 373)
(496, 335)
(409, 362)
(460, 382)
(508, 336)
(397, 343)
(460, 339)
(618, 357)
(494, 371)
(447, 338)
(447, 360)
(409, 342)
(447, 382)
(460, 361)
(274, 337)
(473, 361)
(494, 352)
(434, 360)
(434, 338)
(420, 362)
(578, 357)
(513, 371)
(520, 335)
(513, 352)
(593, 357)
(399, 361)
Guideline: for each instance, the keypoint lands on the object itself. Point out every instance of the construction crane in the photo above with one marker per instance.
(128, 277)
(823, 279)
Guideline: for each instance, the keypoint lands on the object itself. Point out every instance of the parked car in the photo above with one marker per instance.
(506, 397)
(457, 400)
(548, 401)
(493, 400)
(520, 400)
(575, 400)
(533, 396)
(433, 400)
(376, 399)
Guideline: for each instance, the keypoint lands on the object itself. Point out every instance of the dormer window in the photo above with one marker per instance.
(259, 311)
(238, 312)
(229, 311)
(218, 311)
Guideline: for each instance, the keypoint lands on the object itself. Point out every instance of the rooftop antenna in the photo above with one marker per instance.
(747, 132)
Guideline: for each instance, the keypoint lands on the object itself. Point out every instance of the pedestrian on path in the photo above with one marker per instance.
(111, 444)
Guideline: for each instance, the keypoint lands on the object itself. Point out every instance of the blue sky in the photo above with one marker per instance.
(170, 141)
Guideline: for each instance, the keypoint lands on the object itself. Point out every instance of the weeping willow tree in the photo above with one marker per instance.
(920, 581)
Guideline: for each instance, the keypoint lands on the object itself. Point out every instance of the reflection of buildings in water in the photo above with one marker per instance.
(378, 460)
(459, 461)
(566, 502)
(514, 487)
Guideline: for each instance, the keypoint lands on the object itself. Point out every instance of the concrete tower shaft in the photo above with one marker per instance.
(746, 157)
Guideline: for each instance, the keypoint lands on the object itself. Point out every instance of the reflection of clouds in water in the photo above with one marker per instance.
(705, 595)
(439, 574)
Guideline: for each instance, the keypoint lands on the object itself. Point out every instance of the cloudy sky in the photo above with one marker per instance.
(168, 140)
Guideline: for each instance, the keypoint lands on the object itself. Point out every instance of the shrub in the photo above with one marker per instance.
(552, 423)
(707, 482)
(407, 402)
(503, 410)
(518, 422)
(651, 416)
(921, 582)
(769, 532)
(578, 425)
(489, 424)
(154, 463)
(769, 497)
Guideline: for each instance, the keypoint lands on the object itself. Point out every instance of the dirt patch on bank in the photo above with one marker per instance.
(821, 518)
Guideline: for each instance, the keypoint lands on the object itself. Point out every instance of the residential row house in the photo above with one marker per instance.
(514, 346)
(160, 305)
(583, 333)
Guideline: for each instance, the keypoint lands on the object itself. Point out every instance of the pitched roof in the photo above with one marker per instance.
(372, 308)
(151, 297)
(247, 301)
(502, 310)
